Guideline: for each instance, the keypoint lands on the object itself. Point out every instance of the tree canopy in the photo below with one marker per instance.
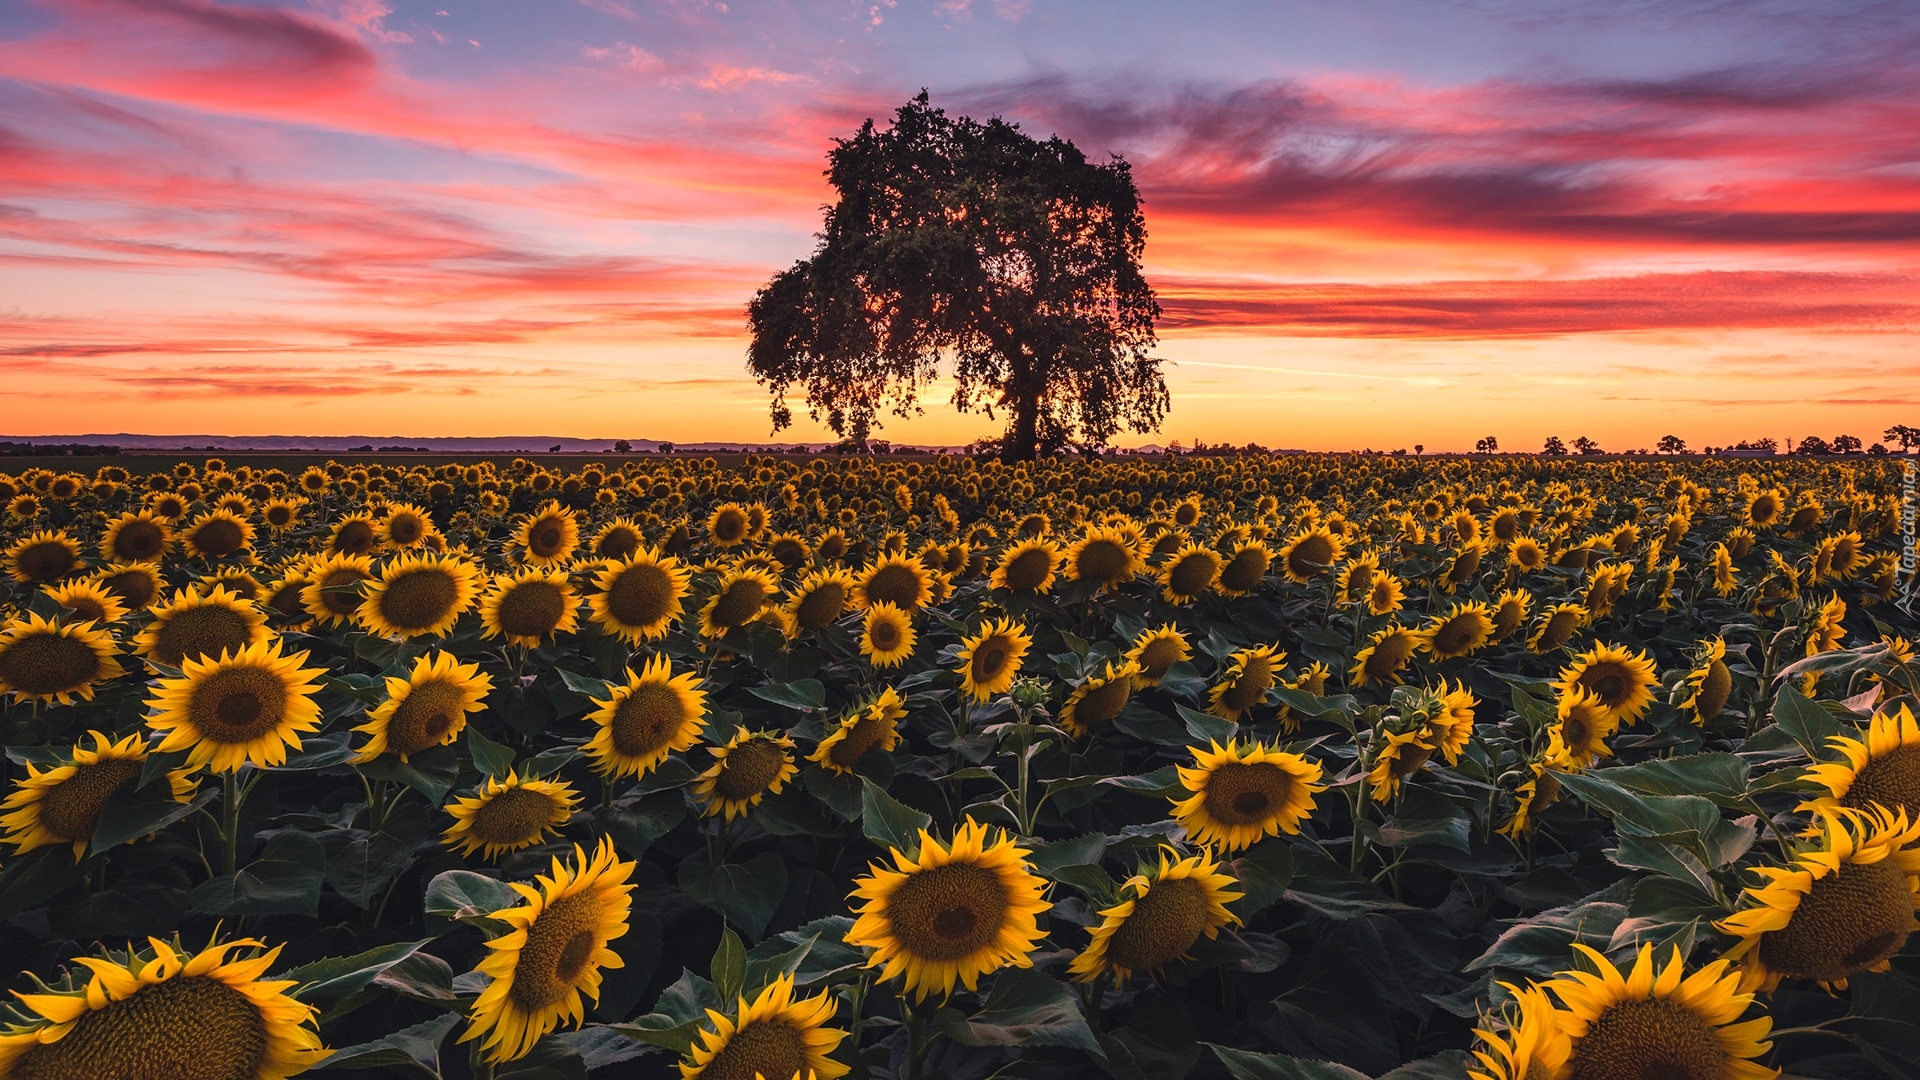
(1015, 261)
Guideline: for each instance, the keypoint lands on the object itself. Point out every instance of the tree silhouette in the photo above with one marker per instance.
(1907, 437)
(1554, 447)
(1672, 444)
(1846, 444)
(1487, 445)
(1584, 445)
(1812, 445)
(1015, 259)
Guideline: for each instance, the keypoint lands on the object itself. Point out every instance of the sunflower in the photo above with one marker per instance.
(1310, 552)
(1099, 699)
(1465, 629)
(1525, 555)
(163, 1013)
(950, 912)
(1765, 507)
(791, 549)
(355, 534)
(281, 514)
(1621, 679)
(729, 526)
(1558, 623)
(1104, 556)
(1385, 594)
(1190, 574)
(554, 952)
(418, 595)
(136, 537)
(1582, 725)
(773, 1035)
(873, 726)
(1387, 652)
(1162, 912)
(817, 602)
(742, 598)
(509, 814)
(405, 527)
(136, 584)
(426, 709)
(1156, 651)
(243, 707)
(1533, 1045)
(1838, 910)
(1356, 577)
(1826, 629)
(897, 580)
(89, 600)
(655, 713)
(990, 659)
(333, 591)
(1709, 683)
(887, 636)
(1028, 566)
(195, 627)
(43, 660)
(43, 556)
(1246, 568)
(1239, 794)
(1533, 795)
(639, 597)
(1396, 756)
(1882, 766)
(752, 766)
(1510, 613)
(281, 602)
(530, 606)
(548, 535)
(1244, 681)
(236, 580)
(1662, 1022)
(62, 805)
(217, 534)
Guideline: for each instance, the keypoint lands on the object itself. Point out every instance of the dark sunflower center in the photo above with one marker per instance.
(1456, 635)
(647, 719)
(1239, 793)
(1194, 574)
(1102, 703)
(46, 561)
(237, 704)
(1164, 925)
(1714, 690)
(1159, 655)
(278, 516)
(761, 1049)
(431, 711)
(1465, 566)
(86, 607)
(729, 526)
(1389, 655)
(1310, 554)
(789, 551)
(1648, 1040)
(821, 606)
(885, 635)
(896, 584)
(218, 538)
(559, 949)
(640, 595)
(990, 659)
(405, 529)
(949, 911)
(138, 540)
(617, 544)
(340, 592)
(72, 809)
(546, 538)
(1608, 681)
(1103, 561)
(1029, 570)
(419, 599)
(1409, 759)
(1559, 629)
(1250, 687)
(1845, 923)
(1576, 731)
(285, 601)
(46, 663)
(187, 1028)
(740, 602)
(749, 769)
(1892, 779)
(532, 608)
(864, 734)
(201, 632)
(513, 817)
(133, 587)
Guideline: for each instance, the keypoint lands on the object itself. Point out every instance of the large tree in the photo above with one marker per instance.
(1013, 260)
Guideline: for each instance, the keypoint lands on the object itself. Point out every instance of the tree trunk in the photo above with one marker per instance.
(1022, 440)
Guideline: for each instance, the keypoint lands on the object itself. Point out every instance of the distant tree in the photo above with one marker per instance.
(1907, 437)
(554, 449)
(1672, 444)
(665, 448)
(1813, 444)
(1584, 445)
(1418, 449)
(1488, 445)
(1554, 447)
(1016, 258)
(1877, 450)
(1846, 444)
(622, 446)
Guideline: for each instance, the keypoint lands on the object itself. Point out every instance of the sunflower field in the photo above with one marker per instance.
(1261, 767)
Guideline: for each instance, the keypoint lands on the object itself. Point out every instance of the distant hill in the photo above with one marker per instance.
(341, 444)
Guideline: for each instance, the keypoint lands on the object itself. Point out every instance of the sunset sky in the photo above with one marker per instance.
(1371, 222)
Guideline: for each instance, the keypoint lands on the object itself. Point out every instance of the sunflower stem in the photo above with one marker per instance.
(916, 1039)
(1786, 852)
(229, 822)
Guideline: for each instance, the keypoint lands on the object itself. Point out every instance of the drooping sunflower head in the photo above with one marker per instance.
(1243, 793)
(55, 662)
(1826, 627)
(1397, 755)
(1619, 677)
(1244, 681)
(1658, 1021)
(1468, 627)
(894, 579)
(887, 635)
(136, 537)
(1843, 907)
(1098, 700)
(750, 767)
(1104, 556)
(642, 722)
(195, 626)
(949, 913)
(1882, 766)
(1710, 683)
(1246, 568)
(1531, 1043)
(548, 536)
(166, 1013)
(420, 594)
(872, 726)
(530, 606)
(990, 659)
(743, 597)
(136, 584)
(1510, 612)
(62, 805)
(248, 706)
(1387, 652)
(1163, 911)
(1557, 626)
(1156, 651)
(1310, 553)
(554, 952)
(1027, 566)
(509, 813)
(639, 597)
(772, 1035)
(43, 556)
(426, 709)
(817, 602)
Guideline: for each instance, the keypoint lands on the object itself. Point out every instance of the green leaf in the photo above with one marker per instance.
(1720, 777)
(887, 821)
(415, 1048)
(1206, 727)
(132, 813)
(1160, 781)
(1808, 724)
(1157, 1043)
(745, 894)
(1249, 1065)
(318, 752)
(432, 772)
(585, 685)
(1540, 945)
(729, 965)
(336, 977)
(491, 758)
(284, 879)
(807, 695)
(1049, 858)
(32, 879)
(677, 1017)
(635, 823)
(1024, 1008)
(466, 896)
(764, 966)
(1264, 871)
